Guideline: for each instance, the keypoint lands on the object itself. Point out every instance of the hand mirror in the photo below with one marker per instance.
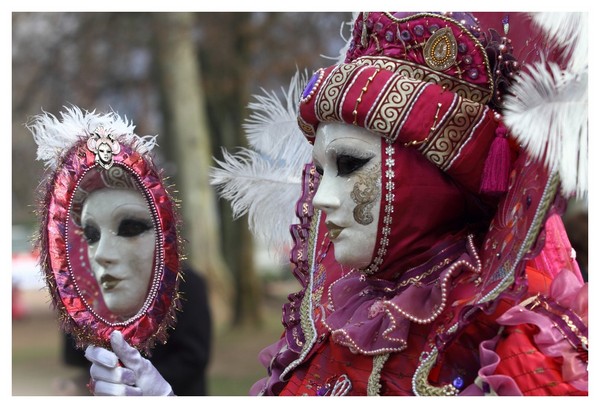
(108, 230)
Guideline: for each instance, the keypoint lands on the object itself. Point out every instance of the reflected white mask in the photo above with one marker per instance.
(349, 161)
(120, 234)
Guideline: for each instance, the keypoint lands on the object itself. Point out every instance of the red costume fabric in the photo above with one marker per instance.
(470, 291)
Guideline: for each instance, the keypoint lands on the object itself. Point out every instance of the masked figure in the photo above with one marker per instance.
(431, 258)
(427, 241)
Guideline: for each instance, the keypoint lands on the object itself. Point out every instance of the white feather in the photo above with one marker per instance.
(273, 122)
(569, 32)
(264, 181)
(550, 118)
(256, 185)
(342, 55)
(547, 107)
(55, 137)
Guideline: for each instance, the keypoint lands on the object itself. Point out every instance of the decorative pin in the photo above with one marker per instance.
(505, 24)
(104, 146)
(312, 86)
(440, 50)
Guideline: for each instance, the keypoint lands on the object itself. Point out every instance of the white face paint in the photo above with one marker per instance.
(120, 234)
(349, 161)
(104, 152)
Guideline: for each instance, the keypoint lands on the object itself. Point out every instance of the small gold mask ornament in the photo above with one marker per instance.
(104, 146)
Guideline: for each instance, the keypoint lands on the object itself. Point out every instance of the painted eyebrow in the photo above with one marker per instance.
(344, 150)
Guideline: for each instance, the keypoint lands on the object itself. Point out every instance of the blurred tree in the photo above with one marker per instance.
(104, 61)
(226, 77)
(187, 126)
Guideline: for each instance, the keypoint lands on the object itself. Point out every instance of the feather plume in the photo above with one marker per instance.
(347, 40)
(264, 181)
(55, 137)
(272, 124)
(569, 32)
(349, 24)
(547, 110)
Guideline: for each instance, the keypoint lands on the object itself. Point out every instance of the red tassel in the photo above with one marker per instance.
(494, 180)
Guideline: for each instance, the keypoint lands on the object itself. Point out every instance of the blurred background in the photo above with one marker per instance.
(188, 78)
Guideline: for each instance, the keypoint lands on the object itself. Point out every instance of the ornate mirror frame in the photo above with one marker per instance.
(75, 313)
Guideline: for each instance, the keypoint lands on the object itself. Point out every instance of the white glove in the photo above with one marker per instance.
(136, 375)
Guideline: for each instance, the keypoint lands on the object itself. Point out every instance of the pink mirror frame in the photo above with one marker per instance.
(75, 314)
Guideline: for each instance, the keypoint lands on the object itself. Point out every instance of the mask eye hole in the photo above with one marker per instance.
(131, 227)
(347, 164)
(91, 234)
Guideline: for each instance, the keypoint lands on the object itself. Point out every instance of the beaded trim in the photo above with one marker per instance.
(444, 284)
(388, 209)
(466, 32)
(341, 336)
(306, 317)
(76, 314)
(316, 81)
(359, 99)
(158, 253)
(442, 40)
(454, 131)
(532, 233)
(421, 73)
(374, 385)
(420, 384)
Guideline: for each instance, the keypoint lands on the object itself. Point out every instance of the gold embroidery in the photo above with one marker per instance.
(306, 128)
(535, 301)
(306, 322)
(464, 32)
(359, 99)
(440, 50)
(373, 384)
(367, 190)
(420, 142)
(389, 114)
(418, 72)
(421, 384)
(457, 126)
(417, 279)
(330, 96)
(509, 276)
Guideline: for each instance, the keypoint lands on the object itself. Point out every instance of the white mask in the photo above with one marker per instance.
(120, 234)
(349, 160)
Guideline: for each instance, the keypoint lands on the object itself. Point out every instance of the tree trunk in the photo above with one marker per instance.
(226, 71)
(187, 128)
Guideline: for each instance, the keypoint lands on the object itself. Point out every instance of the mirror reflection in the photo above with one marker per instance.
(114, 241)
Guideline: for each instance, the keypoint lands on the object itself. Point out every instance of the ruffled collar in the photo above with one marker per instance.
(373, 316)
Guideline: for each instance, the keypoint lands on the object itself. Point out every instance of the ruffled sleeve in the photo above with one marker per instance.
(542, 348)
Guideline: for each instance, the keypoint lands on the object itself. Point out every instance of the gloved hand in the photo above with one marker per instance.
(136, 375)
